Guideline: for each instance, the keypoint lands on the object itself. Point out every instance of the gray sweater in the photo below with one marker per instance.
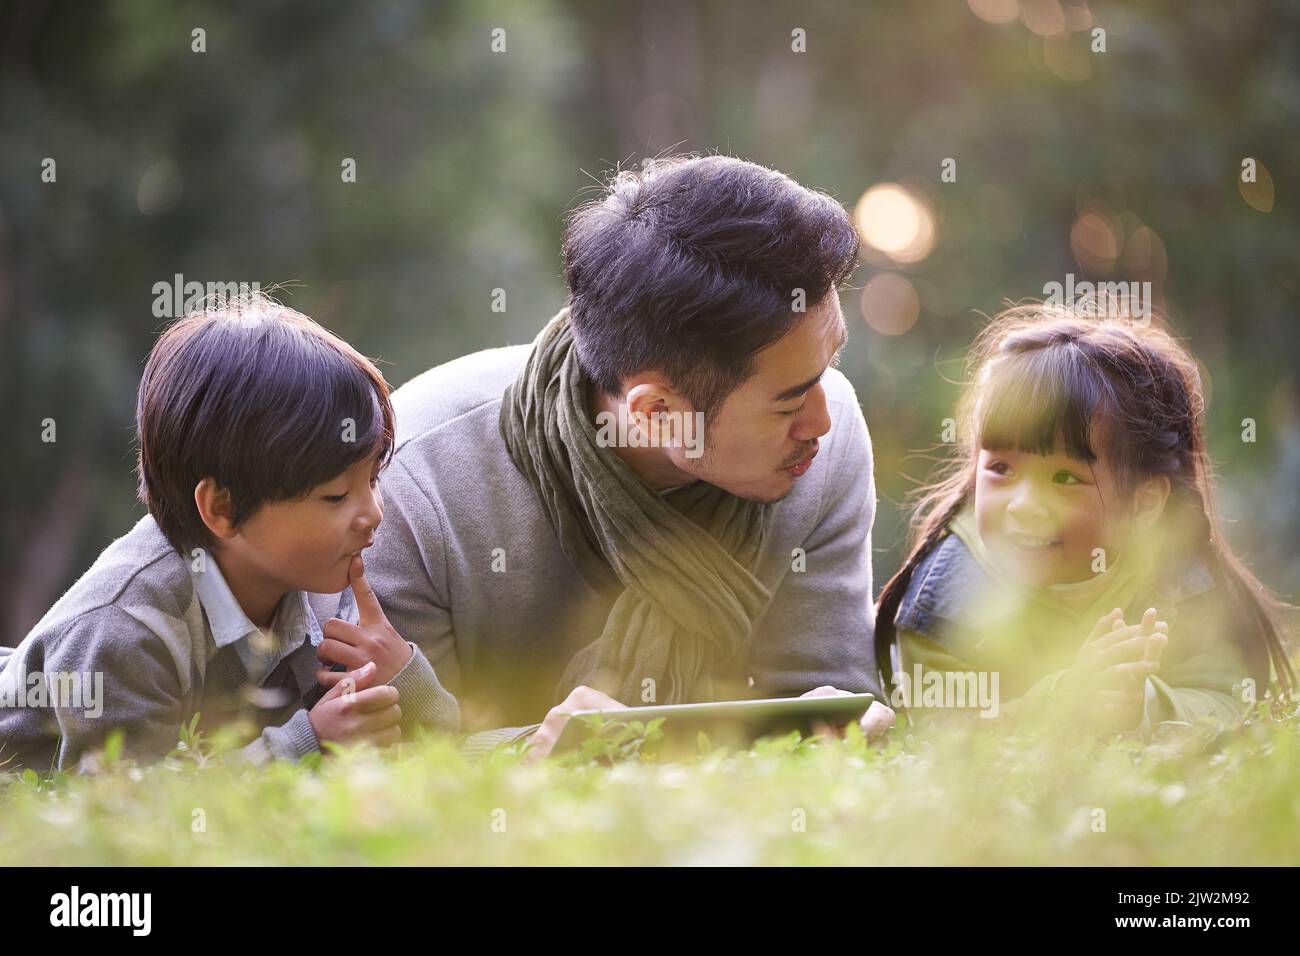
(466, 565)
(143, 641)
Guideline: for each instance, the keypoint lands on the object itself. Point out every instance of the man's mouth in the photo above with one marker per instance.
(801, 466)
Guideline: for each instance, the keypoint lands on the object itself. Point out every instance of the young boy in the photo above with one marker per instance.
(261, 439)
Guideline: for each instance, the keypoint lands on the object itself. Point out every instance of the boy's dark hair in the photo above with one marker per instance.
(690, 269)
(257, 397)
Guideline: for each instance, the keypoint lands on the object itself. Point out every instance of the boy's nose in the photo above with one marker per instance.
(370, 518)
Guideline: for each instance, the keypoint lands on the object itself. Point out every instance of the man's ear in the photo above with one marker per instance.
(215, 508)
(647, 396)
(1149, 502)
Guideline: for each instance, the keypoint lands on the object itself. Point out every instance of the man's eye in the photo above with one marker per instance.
(793, 411)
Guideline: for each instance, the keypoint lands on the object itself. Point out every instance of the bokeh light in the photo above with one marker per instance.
(890, 304)
(1096, 238)
(159, 188)
(1067, 57)
(1144, 256)
(1044, 17)
(995, 11)
(896, 222)
(1258, 194)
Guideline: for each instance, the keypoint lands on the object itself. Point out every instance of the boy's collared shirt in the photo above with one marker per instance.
(293, 623)
(152, 643)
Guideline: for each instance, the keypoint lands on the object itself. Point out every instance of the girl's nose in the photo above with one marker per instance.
(1026, 505)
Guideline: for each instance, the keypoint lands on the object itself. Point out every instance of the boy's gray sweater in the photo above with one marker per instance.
(466, 565)
(136, 620)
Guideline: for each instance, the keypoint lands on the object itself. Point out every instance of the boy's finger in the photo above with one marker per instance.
(328, 678)
(332, 651)
(390, 716)
(367, 604)
(341, 630)
(386, 737)
(375, 698)
(356, 681)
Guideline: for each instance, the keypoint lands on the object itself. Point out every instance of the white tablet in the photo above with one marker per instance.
(732, 722)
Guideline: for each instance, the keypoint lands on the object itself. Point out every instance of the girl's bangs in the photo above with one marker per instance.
(1032, 402)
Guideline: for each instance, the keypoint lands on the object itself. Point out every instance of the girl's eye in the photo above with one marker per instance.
(999, 468)
(334, 499)
(1067, 478)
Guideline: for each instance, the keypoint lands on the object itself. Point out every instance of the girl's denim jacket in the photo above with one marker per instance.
(1205, 670)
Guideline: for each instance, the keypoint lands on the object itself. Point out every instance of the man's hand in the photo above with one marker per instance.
(355, 710)
(874, 723)
(372, 639)
(580, 698)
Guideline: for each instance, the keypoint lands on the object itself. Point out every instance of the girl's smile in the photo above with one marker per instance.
(1045, 516)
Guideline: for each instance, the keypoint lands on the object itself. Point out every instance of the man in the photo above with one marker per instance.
(557, 536)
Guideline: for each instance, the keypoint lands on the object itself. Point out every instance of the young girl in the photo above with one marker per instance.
(1073, 548)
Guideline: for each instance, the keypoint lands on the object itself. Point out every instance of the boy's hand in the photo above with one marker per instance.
(1108, 680)
(355, 710)
(371, 639)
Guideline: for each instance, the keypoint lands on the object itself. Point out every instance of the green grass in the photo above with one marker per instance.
(959, 794)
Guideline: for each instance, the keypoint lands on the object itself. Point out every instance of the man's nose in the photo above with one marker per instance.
(816, 418)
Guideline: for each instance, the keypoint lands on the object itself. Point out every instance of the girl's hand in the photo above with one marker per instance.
(1107, 683)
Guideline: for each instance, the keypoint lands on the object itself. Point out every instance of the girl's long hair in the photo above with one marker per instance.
(1040, 374)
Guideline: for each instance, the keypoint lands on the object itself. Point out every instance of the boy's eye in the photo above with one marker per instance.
(334, 499)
